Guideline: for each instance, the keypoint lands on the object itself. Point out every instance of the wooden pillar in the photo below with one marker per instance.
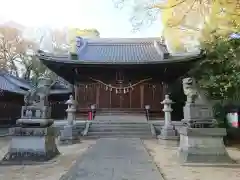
(142, 95)
(110, 99)
(76, 86)
(76, 92)
(165, 89)
(130, 99)
(97, 95)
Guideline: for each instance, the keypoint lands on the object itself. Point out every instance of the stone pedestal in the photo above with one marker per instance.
(69, 134)
(202, 145)
(30, 145)
(198, 115)
(168, 131)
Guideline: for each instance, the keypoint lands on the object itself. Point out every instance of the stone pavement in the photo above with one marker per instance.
(115, 159)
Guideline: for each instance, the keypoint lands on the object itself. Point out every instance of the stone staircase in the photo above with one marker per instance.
(108, 129)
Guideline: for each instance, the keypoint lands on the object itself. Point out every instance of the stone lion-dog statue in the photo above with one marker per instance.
(190, 89)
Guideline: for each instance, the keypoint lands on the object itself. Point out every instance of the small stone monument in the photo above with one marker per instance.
(168, 131)
(69, 134)
(33, 138)
(199, 140)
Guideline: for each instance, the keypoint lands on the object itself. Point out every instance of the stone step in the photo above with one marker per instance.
(120, 130)
(120, 134)
(117, 126)
(118, 122)
(117, 136)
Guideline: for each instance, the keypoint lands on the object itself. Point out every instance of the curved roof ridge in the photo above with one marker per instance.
(122, 40)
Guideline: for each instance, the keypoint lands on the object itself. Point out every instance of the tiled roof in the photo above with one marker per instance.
(118, 51)
(7, 85)
(121, 50)
(19, 81)
(13, 84)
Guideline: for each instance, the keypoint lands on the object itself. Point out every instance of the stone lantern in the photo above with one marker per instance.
(71, 110)
(69, 134)
(168, 130)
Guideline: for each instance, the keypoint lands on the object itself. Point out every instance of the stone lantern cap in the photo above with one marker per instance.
(71, 101)
(167, 100)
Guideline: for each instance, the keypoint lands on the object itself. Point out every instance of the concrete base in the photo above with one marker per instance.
(203, 145)
(168, 133)
(29, 145)
(69, 135)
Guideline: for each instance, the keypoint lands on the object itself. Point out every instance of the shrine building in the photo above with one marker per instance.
(123, 74)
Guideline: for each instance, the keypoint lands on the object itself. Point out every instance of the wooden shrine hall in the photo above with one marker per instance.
(119, 74)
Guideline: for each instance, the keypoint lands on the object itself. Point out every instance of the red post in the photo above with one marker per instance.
(89, 115)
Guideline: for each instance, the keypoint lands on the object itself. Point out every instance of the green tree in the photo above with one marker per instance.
(219, 72)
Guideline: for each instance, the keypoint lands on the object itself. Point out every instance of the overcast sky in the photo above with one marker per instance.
(99, 14)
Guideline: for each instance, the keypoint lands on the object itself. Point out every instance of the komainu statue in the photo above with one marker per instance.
(36, 100)
(190, 89)
(39, 95)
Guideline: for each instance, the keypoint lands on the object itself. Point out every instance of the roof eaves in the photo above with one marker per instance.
(14, 89)
(19, 82)
(171, 59)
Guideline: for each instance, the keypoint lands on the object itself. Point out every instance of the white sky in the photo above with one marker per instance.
(99, 14)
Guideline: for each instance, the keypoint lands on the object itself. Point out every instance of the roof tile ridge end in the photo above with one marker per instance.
(158, 49)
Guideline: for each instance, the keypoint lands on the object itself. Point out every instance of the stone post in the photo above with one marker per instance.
(168, 130)
(69, 134)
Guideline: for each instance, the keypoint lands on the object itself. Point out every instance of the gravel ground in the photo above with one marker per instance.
(52, 170)
(166, 160)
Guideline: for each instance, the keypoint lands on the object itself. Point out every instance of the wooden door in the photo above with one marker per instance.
(153, 95)
(141, 95)
(86, 95)
(104, 97)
